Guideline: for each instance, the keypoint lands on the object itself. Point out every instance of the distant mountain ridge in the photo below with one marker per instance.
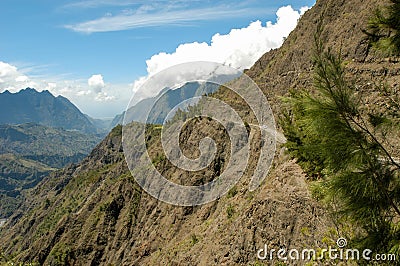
(160, 105)
(39, 133)
(29, 152)
(31, 106)
(54, 147)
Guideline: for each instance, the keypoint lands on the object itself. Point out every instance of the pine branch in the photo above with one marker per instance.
(376, 141)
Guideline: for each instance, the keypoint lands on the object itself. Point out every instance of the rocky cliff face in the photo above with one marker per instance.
(94, 213)
(343, 22)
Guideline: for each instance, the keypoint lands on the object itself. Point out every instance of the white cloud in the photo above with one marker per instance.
(22, 78)
(51, 86)
(240, 48)
(304, 10)
(99, 3)
(7, 70)
(8, 75)
(104, 97)
(141, 18)
(96, 82)
(13, 79)
(83, 92)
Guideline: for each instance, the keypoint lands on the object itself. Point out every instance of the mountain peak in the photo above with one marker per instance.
(34, 91)
(46, 92)
(31, 106)
(28, 90)
(60, 97)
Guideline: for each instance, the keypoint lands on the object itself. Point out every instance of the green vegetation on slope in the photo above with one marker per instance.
(51, 146)
(350, 150)
(16, 175)
(95, 213)
(384, 29)
(29, 152)
(90, 195)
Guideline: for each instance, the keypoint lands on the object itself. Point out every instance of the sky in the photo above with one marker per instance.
(97, 53)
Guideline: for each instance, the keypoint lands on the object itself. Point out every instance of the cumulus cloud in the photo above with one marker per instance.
(7, 70)
(84, 92)
(97, 85)
(22, 78)
(240, 48)
(13, 79)
(51, 86)
(96, 82)
(104, 97)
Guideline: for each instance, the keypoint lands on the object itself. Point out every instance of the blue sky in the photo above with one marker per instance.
(60, 45)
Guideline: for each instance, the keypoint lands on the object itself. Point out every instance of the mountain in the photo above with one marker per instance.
(29, 152)
(31, 106)
(102, 125)
(38, 133)
(54, 147)
(117, 120)
(94, 213)
(159, 106)
(16, 175)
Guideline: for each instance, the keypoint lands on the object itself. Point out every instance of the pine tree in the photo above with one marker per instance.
(384, 29)
(342, 145)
